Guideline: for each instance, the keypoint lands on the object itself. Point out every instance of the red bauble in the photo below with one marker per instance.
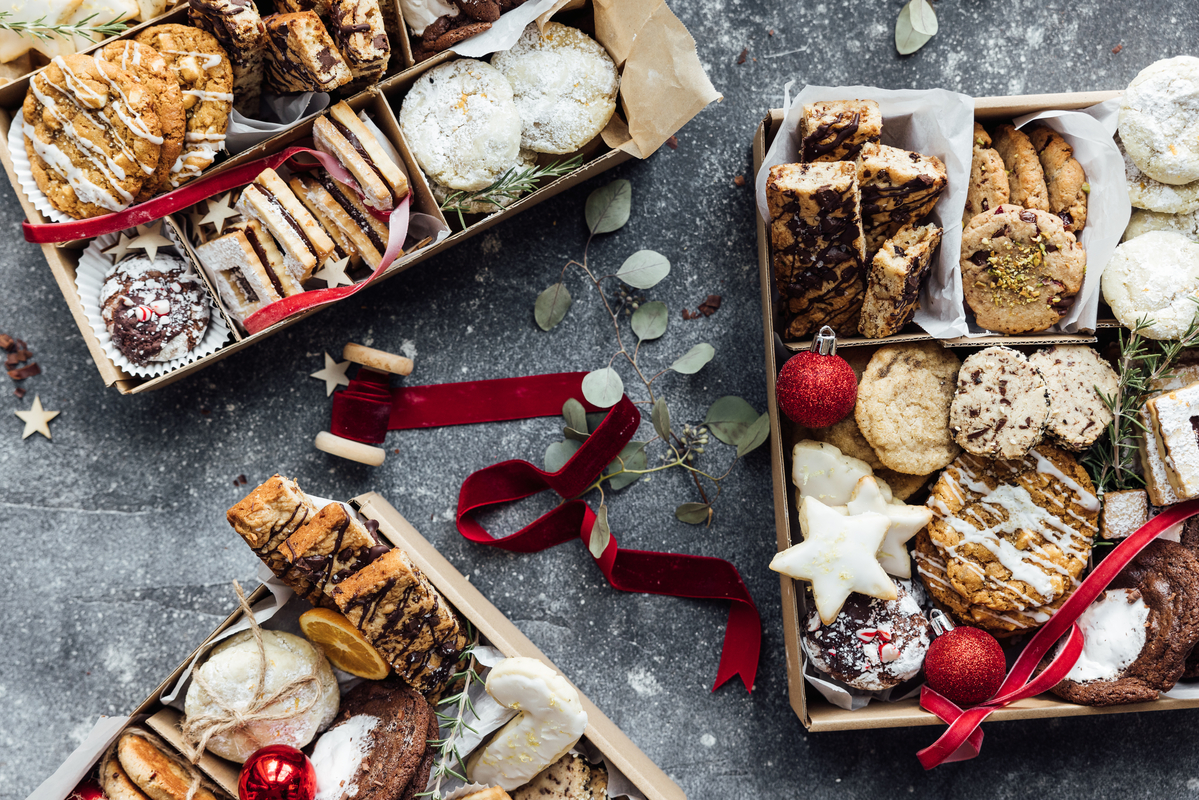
(277, 772)
(817, 388)
(966, 665)
(87, 789)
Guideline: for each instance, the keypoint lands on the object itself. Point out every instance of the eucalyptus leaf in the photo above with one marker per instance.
(608, 207)
(633, 455)
(907, 39)
(575, 415)
(574, 435)
(649, 321)
(603, 387)
(694, 359)
(601, 534)
(594, 419)
(693, 513)
(558, 453)
(660, 416)
(754, 437)
(923, 17)
(551, 306)
(645, 269)
(729, 419)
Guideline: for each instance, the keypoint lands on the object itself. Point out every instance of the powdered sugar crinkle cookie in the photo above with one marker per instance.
(1151, 195)
(1159, 120)
(1157, 276)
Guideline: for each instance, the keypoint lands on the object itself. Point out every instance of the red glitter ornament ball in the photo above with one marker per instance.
(966, 665)
(817, 388)
(277, 772)
(88, 789)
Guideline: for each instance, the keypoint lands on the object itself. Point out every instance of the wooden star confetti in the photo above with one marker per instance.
(334, 273)
(906, 522)
(219, 211)
(118, 250)
(334, 374)
(149, 238)
(36, 419)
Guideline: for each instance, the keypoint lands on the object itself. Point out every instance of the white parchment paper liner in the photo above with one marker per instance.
(278, 113)
(504, 32)
(24, 171)
(89, 279)
(420, 226)
(934, 122)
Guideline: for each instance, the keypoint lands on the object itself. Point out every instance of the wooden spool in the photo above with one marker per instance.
(377, 359)
(353, 451)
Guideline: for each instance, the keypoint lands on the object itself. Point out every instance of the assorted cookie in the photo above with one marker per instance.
(156, 309)
(438, 25)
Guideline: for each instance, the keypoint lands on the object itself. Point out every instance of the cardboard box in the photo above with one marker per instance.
(637, 129)
(601, 732)
(816, 713)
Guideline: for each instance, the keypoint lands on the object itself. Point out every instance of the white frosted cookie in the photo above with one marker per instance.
(565, 86)
(1143, 222)
(1001, 404)
(1159, 120)
(1075, 375)
(1157, 276)
(462, 124)
(442, 193)
(13, 44)
(1146, 193)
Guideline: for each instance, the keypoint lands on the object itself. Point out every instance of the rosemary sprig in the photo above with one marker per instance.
(450, 762)
(509, 186)
(1143, 363)
(43, 30)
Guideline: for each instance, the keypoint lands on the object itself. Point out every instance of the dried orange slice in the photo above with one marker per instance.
(341, 642)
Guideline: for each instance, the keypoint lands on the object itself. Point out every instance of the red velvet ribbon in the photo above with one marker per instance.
(368, 407)
(956, 743)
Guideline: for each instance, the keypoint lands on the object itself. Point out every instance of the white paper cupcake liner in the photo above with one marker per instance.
(89, 279)
(24, 170)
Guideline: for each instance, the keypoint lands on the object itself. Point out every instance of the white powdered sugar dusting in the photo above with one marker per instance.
(1159, 120)
(1172, 414)
(1154, 275)
(1113, 629)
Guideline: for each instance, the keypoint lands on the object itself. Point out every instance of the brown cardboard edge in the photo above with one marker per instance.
(168, 723)
(460, 593)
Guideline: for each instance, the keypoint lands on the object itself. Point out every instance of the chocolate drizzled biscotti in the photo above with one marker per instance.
(899, 188)
(836, 130)
(893, 285)
(329, 548)
(266, 518)
(301, 55)
(357, 27)
(237, 26)
(819, 249)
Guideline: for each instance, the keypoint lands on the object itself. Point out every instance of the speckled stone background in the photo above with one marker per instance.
(120, 559)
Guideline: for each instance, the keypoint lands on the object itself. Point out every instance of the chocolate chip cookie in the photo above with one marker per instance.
(988, 186)
(1025, 178)
(1001, 404)
(1065, 180)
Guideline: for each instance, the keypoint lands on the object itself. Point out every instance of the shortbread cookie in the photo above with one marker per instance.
(1001, 404)
(1139, 633)
(1159, 120)
(344, 136)
(149, 68)
(1064, 177)
(1014, 535)
(899, 188)
(324, 209)
(358, 28)
(1154, 276)
(239, 273)
(1123, 513)
(873, 644)
(1173, 426)
(1078, 379)
(836, 130)
(238, 28)
(1026, 179)
(269, 255)
(893, 285)
(988, 187)
(1021, 269)
(155, 310)
(903, 406)
(301, 56)
(1151, 195)
(92, 135)
(818, 246)
(462, 124)
(205, 77)
(1143, 222)
(564, 84)
(1153, 460)
(304, 243)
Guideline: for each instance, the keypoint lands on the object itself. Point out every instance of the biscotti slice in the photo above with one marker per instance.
(301, 55)
(329, 548)
(405, 618)
(304, 243)
(158, 771)
(266, 517)
(1025, 178)
(357, 27)
(239, 274)
(893, 286)
(899, 188)
(237, 26)
(269, 255)
(368, 233)
(321, 7)
(323, 208)
(345, 137)
(1172, 414)
(835, 130)
(819, 249)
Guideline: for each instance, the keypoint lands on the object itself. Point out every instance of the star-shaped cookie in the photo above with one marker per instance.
(334, 374)
(906, 522)
(36, 419)
(837, 556)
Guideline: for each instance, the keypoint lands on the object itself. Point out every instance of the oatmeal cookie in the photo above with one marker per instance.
(903, 406)
(1074, 373)
(1159, 120)
(1064, 177)
(988, 186)
(1025, 178)
(1021, 269)
(1001, 404)
(1157, 276)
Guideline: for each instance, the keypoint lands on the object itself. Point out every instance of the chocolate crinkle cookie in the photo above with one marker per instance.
(466, 18)
(155, 310)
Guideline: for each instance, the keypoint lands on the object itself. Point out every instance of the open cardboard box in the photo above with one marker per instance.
(637, 122)
(492, 625)
(816, 713)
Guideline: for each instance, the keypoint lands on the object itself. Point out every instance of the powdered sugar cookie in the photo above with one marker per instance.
(1144, 192)
(1159, 120)
(1143, 222)
(1156, 276)
(564, 83)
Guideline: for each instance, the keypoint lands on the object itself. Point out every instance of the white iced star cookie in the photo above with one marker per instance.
(821, 471)
(837, 556)
(906, 522)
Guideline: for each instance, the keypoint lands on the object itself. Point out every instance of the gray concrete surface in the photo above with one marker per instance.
(120, 558)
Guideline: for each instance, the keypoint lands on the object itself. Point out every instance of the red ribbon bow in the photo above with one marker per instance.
(962, 740)
(368, 407)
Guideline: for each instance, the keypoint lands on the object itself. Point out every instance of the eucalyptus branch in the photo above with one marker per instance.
(45, 31)
(508, 187)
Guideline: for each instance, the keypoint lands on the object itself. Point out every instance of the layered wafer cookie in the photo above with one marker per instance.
(357, 27)
(899, 188)
(237, 26)
(819, 250)
(269, 255)
(239, 274)
(345, 137)
(266, 517)
(301, 55)
(405, 618)
(365, 231)
(836, 130)
(304, 243)
(323, 208)
(329, 548)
